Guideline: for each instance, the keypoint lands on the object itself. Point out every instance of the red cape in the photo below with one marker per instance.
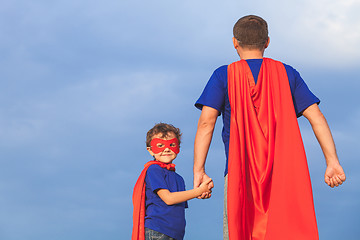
(138, 231)
(269, 188)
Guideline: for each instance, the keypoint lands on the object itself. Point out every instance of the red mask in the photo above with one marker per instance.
(158, 145)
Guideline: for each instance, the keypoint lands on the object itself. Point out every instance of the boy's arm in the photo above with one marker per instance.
(334, 174)
(171, 198)
(203, 138)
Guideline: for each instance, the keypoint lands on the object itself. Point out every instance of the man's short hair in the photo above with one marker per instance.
(251, 32)
(165, 129)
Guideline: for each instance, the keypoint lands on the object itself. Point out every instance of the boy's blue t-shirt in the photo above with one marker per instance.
(215, 95)
(163, 218)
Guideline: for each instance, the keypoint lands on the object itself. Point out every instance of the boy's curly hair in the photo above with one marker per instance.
(164, 129)
(251, 32)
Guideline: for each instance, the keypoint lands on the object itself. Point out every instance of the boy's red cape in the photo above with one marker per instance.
(138, 231)
(269, 188)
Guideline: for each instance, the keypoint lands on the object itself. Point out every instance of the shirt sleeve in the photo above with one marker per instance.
(155, 178)
(214, 92)
(302, 96)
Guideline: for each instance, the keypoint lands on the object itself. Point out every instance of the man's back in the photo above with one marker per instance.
(215, 94)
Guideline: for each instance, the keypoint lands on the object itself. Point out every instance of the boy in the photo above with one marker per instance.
(267, 185)
(159, 195)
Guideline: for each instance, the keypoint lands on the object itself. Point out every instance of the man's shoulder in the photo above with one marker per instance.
(289, 68)
(221, 70)
(220, 73)
(291, 71)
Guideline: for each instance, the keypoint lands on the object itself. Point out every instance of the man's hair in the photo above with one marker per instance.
(165, 129)
(251, 32)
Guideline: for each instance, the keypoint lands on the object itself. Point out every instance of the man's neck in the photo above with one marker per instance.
(248, 53)
(251, 54)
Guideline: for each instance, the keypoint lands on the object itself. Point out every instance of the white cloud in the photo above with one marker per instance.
(322, 33)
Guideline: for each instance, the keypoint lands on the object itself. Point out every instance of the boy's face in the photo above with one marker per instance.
(164, 151)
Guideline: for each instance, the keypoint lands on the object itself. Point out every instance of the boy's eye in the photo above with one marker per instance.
(160, 145)
(173, 145)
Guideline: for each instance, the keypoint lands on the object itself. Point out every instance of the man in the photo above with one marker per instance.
(267, 184)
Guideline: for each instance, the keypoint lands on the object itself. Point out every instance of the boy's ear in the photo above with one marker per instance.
(149, 150)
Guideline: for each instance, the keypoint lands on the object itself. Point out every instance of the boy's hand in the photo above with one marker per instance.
(334, 175)
(205, 187)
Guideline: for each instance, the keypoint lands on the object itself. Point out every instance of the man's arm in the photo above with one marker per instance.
(203, 138)
(334, 174)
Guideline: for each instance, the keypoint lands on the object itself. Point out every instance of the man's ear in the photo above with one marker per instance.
(267, 42)
(236, 43)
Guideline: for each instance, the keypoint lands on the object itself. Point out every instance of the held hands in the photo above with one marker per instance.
(205, 187)
(334, 175)
(205, 183)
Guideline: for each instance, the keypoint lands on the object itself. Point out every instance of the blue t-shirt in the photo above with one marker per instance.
(215, 95)
(163, 218)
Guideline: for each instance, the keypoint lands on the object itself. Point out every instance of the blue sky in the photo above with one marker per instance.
(83, 81)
